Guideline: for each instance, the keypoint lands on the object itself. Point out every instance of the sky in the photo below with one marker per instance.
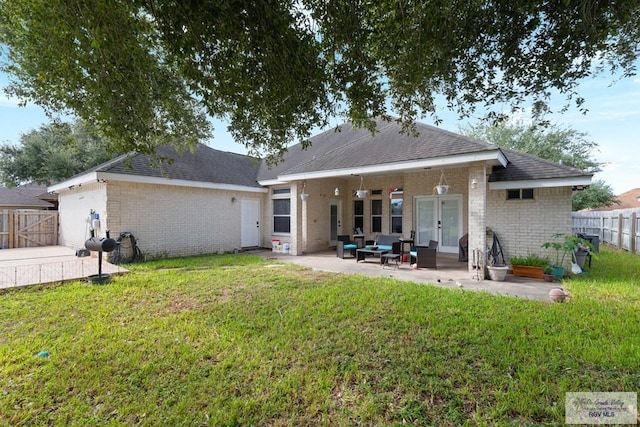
(612, 121)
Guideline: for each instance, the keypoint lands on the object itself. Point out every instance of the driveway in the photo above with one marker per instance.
(29, 266)
(450, 274)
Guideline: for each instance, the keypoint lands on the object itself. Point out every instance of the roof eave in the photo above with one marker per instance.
(492, 157)
(576, 181)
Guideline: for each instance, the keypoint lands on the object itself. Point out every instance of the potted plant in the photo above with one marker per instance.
(547, 274)
(497, 272)
(567, 245)
(529, 266)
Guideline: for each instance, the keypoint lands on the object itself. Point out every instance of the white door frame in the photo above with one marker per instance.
(250, 230)
(438, 223)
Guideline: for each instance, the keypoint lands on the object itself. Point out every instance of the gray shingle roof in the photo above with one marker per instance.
(351, 147)
(205, 164)
(11, 197)
(525, 167)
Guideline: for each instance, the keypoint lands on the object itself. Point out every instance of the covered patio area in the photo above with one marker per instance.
(450, 274)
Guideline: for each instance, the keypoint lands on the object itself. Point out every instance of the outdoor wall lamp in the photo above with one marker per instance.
(474, 183)
(336, 192)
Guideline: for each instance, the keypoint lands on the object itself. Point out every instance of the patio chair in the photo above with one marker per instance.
(345, 243)
(425, 256)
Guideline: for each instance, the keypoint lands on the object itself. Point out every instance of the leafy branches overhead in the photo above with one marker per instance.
(149, 71)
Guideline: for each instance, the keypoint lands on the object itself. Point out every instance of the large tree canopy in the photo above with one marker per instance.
(52, 153)
(149, 71)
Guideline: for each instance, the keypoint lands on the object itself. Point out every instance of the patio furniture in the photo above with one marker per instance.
(394, 255)
(343, 244)
(361, 254)
(425, 256)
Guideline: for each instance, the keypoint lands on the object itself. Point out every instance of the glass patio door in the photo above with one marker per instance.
(439, 218)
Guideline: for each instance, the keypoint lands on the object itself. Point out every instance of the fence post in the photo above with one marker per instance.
(632, 234)
(620, 230)
(11, 231)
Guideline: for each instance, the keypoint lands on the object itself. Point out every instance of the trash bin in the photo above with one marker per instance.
(285, 248)
(274, 245)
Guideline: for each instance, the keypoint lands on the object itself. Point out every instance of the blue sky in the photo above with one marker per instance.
(613, 122)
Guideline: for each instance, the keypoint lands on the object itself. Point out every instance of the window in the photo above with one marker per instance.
(358, 214)
(520, 194)
(396, 216)
(281, 210)
(376, 216)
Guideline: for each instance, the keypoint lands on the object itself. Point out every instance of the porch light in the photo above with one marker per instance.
(336, 192)
(474, 183)
(361, 193)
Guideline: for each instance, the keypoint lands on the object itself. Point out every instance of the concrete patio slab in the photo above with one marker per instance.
(450, 274)
(29, 266)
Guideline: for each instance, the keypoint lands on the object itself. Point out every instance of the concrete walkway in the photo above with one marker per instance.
(29, 266)
(450, 274)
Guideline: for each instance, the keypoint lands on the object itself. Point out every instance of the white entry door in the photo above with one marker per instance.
(250, 223)
(439, 218)
(335, 221)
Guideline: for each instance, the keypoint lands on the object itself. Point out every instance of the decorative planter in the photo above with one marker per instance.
(304, 197)
(558, 272)
(528, 271)
(442, 189)
(99, 279)
(581, 256)
(361, 194)
(497, 273)
(548, 277)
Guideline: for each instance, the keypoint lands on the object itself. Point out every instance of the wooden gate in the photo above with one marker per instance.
(28, 228)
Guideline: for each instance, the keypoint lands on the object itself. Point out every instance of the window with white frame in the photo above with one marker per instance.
(281, 210)
(376, 215)
(358, 214)
(396, 215)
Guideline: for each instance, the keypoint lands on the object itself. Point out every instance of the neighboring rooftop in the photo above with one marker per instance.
(12, 198)
(627, 200)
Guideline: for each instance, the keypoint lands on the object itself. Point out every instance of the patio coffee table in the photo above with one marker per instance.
(362, 253)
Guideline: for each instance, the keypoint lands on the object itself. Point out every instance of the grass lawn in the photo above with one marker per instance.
(236, 340)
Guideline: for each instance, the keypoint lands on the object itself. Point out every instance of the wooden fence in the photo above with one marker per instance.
(620, 227)
(28, 228)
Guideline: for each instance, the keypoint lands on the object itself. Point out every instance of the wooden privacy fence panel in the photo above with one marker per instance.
(28, 228)
(620, 228)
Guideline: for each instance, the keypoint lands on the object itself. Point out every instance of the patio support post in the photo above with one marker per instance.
(477, 210)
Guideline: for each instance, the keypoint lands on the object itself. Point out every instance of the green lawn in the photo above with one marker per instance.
(236, 340)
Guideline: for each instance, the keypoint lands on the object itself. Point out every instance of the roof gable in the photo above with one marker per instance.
(350, 147)
(526, 167)
(11, 197)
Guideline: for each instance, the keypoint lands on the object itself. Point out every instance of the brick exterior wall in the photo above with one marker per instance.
(74, 208)
(522, 226)
(176, 221)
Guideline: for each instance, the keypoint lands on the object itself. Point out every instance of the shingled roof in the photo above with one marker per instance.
(350, 147)
(205, 164)
(12, 198)
(525, 167)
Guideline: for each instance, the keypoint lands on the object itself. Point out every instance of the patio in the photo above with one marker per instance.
(450, 274)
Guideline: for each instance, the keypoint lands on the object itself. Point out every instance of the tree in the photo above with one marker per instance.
(598, 195)
(561, 145)
(52, 153)
(148, 71)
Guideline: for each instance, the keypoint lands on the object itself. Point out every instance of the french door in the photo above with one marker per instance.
(439, 218)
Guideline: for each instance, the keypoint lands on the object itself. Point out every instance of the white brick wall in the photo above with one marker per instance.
(176, 221)
(524, 225)
(74, 208)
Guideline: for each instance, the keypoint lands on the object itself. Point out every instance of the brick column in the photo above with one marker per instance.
(477, 210)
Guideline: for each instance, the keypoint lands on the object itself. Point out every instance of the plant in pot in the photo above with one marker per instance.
(547, 274)
(567, 244)
(529, 266)
(496, 271)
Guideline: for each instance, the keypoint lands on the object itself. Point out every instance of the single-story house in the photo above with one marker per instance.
(210, 201)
